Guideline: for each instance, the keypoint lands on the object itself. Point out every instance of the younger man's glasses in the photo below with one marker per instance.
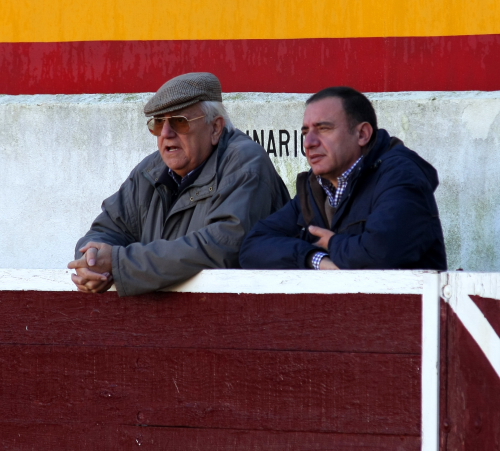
(179, 124)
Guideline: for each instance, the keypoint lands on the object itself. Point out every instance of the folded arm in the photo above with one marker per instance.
(277, 242)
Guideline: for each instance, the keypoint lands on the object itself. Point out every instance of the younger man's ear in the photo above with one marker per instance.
(365, 132)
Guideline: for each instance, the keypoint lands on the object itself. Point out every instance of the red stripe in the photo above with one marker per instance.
(296, 65)
(490, 308)
(473, 393)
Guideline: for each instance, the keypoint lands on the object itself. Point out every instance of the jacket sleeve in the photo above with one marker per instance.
(401, 225)
(276, 242)
(242, 198)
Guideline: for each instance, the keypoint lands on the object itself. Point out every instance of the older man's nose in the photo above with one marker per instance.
(167, 131)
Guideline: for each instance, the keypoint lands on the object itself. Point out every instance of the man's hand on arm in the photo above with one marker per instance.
(326, 263)
(93, 269)
(324, 236)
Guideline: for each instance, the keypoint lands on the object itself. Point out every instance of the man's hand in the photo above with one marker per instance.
(324, 236)
(326, 263)
(98, 257)
(93, 269)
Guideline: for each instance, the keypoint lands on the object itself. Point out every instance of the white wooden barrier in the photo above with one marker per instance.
(454, 287)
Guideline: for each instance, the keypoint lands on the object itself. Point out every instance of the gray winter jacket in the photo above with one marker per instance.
(157, 242)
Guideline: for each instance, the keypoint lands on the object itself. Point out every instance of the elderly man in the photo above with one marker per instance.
(366, 203)
(186, 207)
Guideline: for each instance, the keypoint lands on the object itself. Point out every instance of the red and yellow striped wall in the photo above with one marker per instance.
(116, 46)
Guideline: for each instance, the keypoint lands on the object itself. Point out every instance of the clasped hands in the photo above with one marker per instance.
(324, 236)
(93, 268)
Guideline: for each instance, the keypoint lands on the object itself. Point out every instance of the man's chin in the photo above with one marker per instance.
(172, 161)
(324, 174)
(317, 171)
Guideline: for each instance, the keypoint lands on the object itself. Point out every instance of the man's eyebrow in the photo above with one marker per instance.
(317, 124)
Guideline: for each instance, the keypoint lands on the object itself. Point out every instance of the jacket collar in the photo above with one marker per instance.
(380, 146)
(372, 160)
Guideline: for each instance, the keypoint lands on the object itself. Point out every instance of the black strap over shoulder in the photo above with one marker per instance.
(301, 186)
(307, 184)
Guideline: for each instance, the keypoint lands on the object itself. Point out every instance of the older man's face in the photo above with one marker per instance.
(331, 146)
(184, 153)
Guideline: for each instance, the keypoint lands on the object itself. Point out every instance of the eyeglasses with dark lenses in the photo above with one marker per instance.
(179, 124)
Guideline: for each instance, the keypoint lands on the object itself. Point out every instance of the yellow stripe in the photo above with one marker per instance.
(94, 20)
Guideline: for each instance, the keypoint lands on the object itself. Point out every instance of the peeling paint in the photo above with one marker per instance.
(478, 118)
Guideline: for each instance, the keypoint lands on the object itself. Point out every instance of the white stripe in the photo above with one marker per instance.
(485, 285)
(430, 362)
(36, 279)
(244, 281)
(304, 281)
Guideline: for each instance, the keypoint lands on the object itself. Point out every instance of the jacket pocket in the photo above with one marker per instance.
(353, 228)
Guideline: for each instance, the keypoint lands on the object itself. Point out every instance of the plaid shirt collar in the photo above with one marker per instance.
(183, 182)
(335, 194)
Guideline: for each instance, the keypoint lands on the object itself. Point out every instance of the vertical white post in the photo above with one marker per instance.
(430, 361)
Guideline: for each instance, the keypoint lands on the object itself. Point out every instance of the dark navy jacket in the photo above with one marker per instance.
(387, 218)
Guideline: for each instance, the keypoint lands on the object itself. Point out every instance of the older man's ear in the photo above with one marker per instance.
(217, 129)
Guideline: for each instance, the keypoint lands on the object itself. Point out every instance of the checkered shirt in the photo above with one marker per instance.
(334, 196)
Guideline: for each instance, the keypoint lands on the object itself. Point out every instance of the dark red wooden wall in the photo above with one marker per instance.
(209, 371)
(470, 387)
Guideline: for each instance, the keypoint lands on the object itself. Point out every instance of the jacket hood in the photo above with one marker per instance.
(386, 147)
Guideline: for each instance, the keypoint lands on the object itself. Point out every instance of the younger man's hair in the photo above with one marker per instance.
(356, 106)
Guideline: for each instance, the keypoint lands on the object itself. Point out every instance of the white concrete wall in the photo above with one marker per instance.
(61, 155)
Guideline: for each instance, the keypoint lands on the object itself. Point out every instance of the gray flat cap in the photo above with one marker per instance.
(184, 90)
